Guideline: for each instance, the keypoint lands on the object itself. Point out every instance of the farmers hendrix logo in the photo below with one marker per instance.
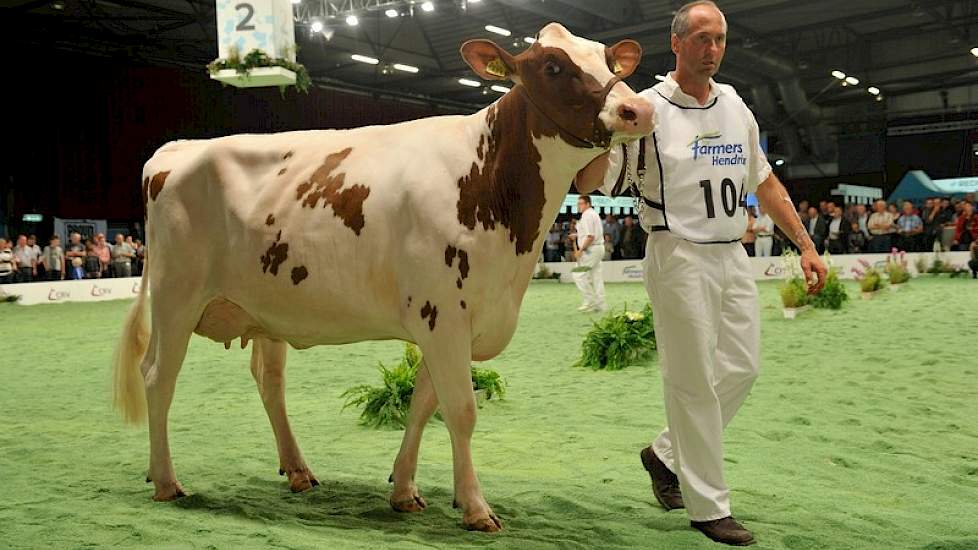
(722, 154)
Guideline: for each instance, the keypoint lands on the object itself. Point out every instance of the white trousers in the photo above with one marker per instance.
(763, 246)
(707, 326)
(591, 282)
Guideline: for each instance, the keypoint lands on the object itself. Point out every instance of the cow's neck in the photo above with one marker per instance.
(523, 173)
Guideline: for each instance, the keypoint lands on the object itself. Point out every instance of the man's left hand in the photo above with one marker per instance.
(578, 254)
(815, 271)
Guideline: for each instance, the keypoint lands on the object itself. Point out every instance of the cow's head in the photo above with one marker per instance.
(574, 82)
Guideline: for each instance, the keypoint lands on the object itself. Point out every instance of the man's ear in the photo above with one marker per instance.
(625, 57)
(488, 60)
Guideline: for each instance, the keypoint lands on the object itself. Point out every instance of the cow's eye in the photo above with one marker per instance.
(552, 68)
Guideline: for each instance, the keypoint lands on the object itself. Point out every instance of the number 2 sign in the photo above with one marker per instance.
(245, 25)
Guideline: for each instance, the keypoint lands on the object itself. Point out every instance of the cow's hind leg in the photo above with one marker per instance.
(449, 360)
(405, 497)
(268, 368)
(167, 348)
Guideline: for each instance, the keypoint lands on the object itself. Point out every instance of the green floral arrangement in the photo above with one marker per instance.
(794, 289)
(834, 293)
(387, 406)
(896, 267)
(619, 340)
(870, 279)
(545, 273)
(257, 58)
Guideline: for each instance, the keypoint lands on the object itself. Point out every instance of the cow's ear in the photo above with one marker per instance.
(488, 60)
(625, 57)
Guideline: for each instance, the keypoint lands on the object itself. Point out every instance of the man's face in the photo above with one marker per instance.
(929, 203)
(21, 241)
(628, 221)
(803, 206)
(908, 208)
(75, 238)
(860, 209)
(119, 239)
(100, 238)
(968, 208)
(812, 212)
(836, 211)
(945, 203)
(880, 206)
(582, 205)
(55, 242)
(700, 52)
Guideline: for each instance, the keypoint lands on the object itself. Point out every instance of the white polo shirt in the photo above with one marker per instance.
(590, 224)
(701, 162)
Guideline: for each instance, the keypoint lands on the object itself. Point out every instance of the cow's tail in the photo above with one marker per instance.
(129, 395)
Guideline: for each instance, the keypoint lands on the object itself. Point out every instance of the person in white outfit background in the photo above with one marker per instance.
(764, 229)
(703, 158)
(589, 253)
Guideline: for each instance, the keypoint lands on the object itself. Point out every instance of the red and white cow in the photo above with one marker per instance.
(426, 231)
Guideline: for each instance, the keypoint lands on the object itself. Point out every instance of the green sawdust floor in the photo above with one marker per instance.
(862, 432)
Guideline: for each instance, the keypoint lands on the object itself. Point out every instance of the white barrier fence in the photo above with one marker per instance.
(624, 271)
(86, 290)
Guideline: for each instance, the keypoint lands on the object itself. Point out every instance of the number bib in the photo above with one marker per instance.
(703, 159)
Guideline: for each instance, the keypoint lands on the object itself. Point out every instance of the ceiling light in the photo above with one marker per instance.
(498, 88)
(779, 162)
(974, 52)
(531, 40)
(879, 98)
(852, 80)
(352, 20)
(839, 74)
(428, 6)
(364, 59)
(873, 90)
(392, 13)
(59, 5)
(317, 26)
(469, 83)
(405, 68)
(498, 30)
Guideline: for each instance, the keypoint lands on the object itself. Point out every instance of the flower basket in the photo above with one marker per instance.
(258, 69)
(792, 312)
(619, 340)
(257, 77)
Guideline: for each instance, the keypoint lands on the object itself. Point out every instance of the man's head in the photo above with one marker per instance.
(879, 206)
(970, 197)
(699, 39)
(628, 221)
(119, 238)
(812, 212)
(566, 78)
(860, 209)
(583, 203)
(610, 218)
(968, 209)
(835, 210)
(803, 206)
(907, 207)
(929, 203)
(55, 240)
(100, 238)
(75, 238)
(21, 240)
(32, 240)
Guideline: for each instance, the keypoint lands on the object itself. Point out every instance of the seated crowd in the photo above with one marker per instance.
(23, 261)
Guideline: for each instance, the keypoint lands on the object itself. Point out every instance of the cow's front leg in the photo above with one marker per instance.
(268, 368)
(449, 358)
(405, 497)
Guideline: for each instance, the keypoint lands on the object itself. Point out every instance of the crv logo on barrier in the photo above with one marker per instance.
(100, 291)
(55, 295)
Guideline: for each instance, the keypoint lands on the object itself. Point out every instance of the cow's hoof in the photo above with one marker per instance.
(302, 480)
(171, 492)
(409, 505)
(486, 524)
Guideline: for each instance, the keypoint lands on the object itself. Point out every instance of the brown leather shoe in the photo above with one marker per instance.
(665, 484)
(725, 530)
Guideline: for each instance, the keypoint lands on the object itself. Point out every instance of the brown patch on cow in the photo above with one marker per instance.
(324, 184)
(409, 301)
(480, 150)
(299, 274)
(156, 184)
(275, 255)
(287, 156)
(270, 220)
(450, 252)
(462, 303)
(458, 283)
(145, 193)
(463, 264)
(282, 171)
(429, 312)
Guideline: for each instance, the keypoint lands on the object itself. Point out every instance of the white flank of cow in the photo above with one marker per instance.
(426, 231)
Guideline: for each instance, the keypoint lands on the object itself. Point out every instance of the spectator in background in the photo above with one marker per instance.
(966, 228)
(881, 228)
(551, 248)
(911, 228)
(7, 268)
(803, 212)
(764, 231)
(77, 270)
(122, 256)
(825, 209)
(93, 265)
(53, 259)
(613, 228)
(32, 242)
(862, 218)
(973, 263)
(589, 253)
(570, 243)
(838, 231)
(26, 260)
(608, 246)
(817, 229)
(935, 218)
(749, 238)
(104, 254)
(892, 209)
(633, 239)
(141, 255)
(857, 239)
(75, 248)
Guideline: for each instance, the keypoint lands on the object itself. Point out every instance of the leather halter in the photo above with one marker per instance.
(600, 136)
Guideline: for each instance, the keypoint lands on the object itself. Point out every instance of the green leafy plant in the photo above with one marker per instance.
(619, 340)
(257, 58)
(387, 405)
(896, 267)
(921, 264)
(9, 298)
(870, 279)
(794, 290)
(545, 273)
(834, 293)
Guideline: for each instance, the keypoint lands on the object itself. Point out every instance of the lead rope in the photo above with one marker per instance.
(600, 138)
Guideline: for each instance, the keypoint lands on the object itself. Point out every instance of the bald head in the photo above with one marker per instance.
(699, 40)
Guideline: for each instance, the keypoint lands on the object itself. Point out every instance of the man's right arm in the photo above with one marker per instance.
(591, 177)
